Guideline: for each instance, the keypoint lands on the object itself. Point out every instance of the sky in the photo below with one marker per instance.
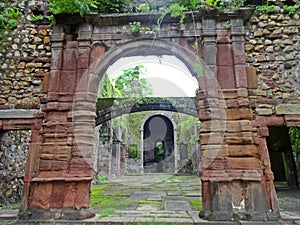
(167, 75)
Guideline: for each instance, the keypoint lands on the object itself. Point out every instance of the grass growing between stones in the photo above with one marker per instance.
(197, 204)
(11, 206)
(105, 203)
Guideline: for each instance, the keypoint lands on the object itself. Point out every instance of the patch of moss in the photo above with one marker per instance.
(11, 206)
(101, 202)
(197, 204)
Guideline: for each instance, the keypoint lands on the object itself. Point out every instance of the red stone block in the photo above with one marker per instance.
(240, 76)
(53, 165)
(251, 77)
(40, 195)
(68, 81)
(239, 138)
(58, 195)
(45, 85)
(226, 78)
(213, 163)
(70, 58)
(212, 151)
(232, 103)
(83, 58)
(82, 199)
(263, 132)
(239, 114)
(54, 81)
(243, 163)
(97, 51)
(243, 150)
(56, 59)
(265, 121)
(211, 138)
(56, 116)
(70, 195)
(224, 55)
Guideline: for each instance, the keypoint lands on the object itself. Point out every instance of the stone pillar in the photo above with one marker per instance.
(60, 188)
(233, 186)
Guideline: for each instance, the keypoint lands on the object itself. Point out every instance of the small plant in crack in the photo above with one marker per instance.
(135, 27)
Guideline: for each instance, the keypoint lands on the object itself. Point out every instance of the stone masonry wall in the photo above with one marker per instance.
(13, 151)
(24, 62)
(273, 49)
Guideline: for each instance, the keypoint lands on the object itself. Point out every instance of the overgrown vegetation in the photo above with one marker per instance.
(8, 21)
(266, 8)
(291, 10)
(71, 6)
(105, 203)
(197, 204)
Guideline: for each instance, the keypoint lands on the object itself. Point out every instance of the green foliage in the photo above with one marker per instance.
(176, 10)
(186, 128)
(294, 133)
(130, 83)
(9, 19)
(197, 204)
(134, 152)
(107, 212)
(266, 8)
(111, 6)
(143, 8)
(193, 5)
(101, 202)
(102, 179)
(107, 89)
(13, 16)
(71, 6)
(135, 27)
(213, 3)
(160, 148)
(36, 17)
(291, 10)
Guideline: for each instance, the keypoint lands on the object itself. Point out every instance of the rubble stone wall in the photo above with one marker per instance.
(24, 62)
(14, 146)
(273, 49)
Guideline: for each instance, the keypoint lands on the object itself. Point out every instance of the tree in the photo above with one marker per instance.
(130, 84)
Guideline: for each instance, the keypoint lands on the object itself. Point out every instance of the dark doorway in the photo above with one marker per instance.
(158, 141)
(282, 157)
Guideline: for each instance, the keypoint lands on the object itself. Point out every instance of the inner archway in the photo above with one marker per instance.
(158, 145)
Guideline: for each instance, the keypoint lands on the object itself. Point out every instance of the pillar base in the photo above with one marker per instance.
(56, 214)
(236, 200)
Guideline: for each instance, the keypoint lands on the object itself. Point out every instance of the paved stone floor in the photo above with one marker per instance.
(158, 199)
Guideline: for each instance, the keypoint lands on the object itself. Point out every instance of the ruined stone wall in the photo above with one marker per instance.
(13, 152)
(273, 49)
(25, 61)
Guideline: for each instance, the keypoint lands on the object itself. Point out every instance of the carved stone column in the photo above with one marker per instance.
(234, 186)
(60, 188)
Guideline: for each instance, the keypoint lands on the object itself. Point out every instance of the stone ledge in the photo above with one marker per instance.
(288, 109)
(18, 114)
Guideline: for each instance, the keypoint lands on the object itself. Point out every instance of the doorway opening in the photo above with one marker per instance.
(283, 158)
(158, 145)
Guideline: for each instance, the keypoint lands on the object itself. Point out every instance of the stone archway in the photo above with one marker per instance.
(236, 179)
(159, 128)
